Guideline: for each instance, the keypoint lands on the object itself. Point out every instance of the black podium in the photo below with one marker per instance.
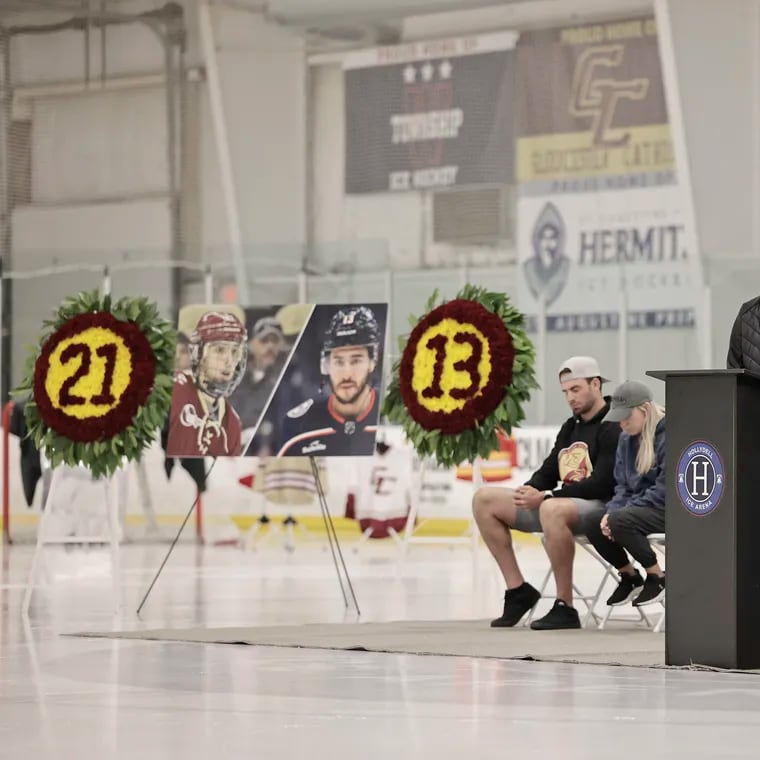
(713, 518)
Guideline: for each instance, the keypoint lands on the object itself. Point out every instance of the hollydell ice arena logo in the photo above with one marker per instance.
(700, 478)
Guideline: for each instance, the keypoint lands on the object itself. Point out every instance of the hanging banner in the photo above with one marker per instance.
(600, 211)
(430, 114)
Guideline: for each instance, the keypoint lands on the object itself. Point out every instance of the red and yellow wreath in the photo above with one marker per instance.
(464, 374)
(92, 376)
(100, 384)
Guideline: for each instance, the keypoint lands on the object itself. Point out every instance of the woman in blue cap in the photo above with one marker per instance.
(638, 507)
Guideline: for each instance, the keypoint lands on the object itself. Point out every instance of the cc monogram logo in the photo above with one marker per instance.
(595, 92)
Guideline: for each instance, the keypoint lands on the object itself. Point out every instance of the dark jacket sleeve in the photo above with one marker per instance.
(545, 478)
(735, 360)
(601, 483)
(654, 496)
(622, 491)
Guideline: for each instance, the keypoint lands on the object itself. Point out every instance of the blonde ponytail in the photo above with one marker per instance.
(645, 459)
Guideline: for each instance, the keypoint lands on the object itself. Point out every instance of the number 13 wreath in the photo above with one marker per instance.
(98, 386)
(465, 372)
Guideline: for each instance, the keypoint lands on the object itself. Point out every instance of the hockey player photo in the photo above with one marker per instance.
(328, 401)
(202, 421)
(267, 354)
(271, 333)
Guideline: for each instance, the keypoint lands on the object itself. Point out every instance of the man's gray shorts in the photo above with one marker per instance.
(589, 511)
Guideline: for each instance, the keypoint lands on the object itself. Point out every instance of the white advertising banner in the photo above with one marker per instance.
(591, 257)
(604, 226)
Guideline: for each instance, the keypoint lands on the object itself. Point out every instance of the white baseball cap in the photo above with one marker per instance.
(581, 368)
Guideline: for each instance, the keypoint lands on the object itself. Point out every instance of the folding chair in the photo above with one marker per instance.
(589, 600)
(658, 544)
(657, 540)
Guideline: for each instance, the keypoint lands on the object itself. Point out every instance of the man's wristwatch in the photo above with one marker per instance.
(548, 495)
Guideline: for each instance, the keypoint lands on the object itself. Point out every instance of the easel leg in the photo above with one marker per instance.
(121, 491)
(411, 518)
(174, 542)
(477, 482)
(41, 529)
(146, 498)
(112, 492)
(333, 537)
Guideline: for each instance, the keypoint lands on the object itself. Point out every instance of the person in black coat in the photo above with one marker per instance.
(31, 466)
(744, 346)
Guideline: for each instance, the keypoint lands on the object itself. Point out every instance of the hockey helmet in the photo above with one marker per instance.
(353, 326)
(217, 327)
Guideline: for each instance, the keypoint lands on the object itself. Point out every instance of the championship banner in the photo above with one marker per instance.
(290, 380)
(600, 211)
(430, 114)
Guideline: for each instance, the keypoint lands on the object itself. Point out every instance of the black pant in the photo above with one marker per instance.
(630, 527)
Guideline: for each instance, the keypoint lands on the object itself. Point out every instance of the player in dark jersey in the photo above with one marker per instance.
(345, 423)
(202, 422)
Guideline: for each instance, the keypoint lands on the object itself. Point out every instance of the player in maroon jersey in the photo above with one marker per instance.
(202, 421)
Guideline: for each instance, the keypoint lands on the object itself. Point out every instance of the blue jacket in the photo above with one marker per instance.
(631, 488)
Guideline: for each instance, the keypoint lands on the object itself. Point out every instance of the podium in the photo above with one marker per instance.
(712, 516)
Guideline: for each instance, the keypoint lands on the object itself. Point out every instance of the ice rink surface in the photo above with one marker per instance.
(68, 697)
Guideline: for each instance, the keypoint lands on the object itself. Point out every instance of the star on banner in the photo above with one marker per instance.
(427, 71)
(444, 69)
(410, 74)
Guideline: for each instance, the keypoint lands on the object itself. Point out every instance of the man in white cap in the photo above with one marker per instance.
(566, 494)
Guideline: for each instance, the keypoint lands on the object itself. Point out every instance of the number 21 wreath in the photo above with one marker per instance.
(99, 385)
(465, 372)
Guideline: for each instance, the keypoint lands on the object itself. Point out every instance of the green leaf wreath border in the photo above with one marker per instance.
(104, 457)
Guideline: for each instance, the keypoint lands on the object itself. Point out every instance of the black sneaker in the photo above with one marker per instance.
(517, 602)
(559, 616)
(653, 591)
(627, 589)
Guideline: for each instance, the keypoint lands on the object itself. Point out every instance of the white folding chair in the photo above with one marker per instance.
(657, 540)
(658, 544)
(589, 600)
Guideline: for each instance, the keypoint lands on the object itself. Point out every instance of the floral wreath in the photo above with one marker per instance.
(465, 372)
(100, 383)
